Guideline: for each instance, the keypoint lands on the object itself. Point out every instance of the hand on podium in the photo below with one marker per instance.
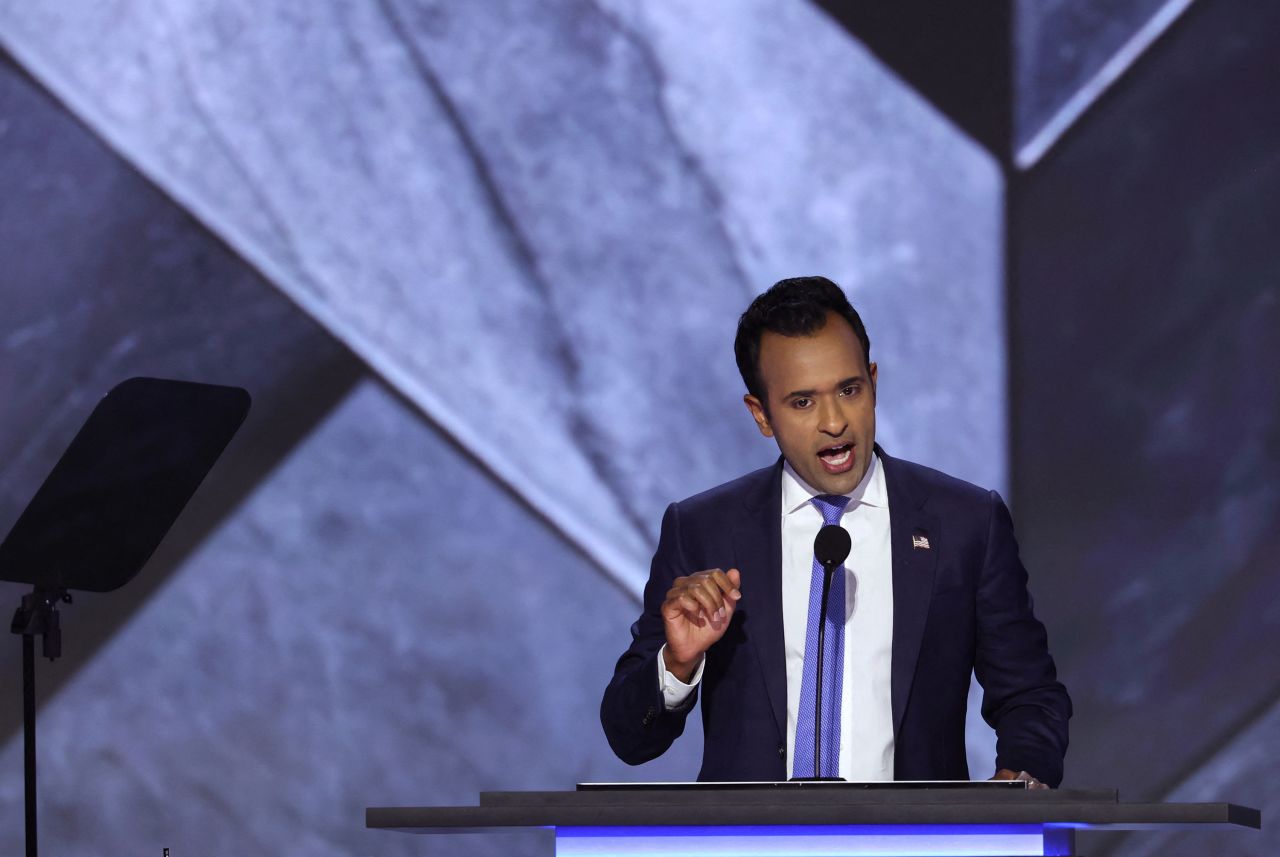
(1032, 782)
(695, 615)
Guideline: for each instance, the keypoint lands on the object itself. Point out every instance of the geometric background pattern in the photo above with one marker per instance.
(479, 266)
(1148, 286)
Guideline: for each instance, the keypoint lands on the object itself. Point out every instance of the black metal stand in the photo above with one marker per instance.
(104, 508)
(36, 617)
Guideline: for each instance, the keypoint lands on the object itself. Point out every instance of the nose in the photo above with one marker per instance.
(831, 418)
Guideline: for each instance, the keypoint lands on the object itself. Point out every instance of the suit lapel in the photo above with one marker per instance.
(757, 546)
(913, 571)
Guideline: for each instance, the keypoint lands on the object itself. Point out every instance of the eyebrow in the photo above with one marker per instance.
(809, 394)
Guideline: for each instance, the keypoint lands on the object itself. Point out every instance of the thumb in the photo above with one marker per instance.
(735, 577)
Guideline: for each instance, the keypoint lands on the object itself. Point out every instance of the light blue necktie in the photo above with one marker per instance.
(832, 507)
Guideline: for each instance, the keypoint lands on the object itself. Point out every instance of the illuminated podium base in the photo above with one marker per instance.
(811, 819)
(934, 840)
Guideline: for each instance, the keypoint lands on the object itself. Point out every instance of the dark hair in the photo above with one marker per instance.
(796, 306)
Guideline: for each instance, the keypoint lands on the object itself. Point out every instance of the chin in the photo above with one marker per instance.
(841, 483)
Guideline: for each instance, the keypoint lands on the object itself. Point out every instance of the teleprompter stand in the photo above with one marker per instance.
(104, 509)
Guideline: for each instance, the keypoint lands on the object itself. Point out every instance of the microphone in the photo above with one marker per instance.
(831, 547)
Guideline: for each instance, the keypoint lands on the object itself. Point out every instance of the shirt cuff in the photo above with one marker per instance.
(675, 693)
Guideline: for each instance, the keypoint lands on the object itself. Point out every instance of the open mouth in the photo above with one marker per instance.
(837, 459)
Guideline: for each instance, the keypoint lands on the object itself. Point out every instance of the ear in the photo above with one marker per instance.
(758, 414)
(872, 372)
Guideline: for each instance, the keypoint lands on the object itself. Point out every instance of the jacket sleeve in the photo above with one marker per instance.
(633, 713)
(1022, 698)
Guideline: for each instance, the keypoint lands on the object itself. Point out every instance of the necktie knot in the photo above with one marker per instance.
(831, 506)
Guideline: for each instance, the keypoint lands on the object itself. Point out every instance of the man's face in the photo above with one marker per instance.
(821, 404)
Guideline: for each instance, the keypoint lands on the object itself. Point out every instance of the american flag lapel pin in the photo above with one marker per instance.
(920, 542)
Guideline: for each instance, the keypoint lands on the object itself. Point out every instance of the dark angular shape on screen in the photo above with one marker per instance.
(957, 55)
(1145, 320)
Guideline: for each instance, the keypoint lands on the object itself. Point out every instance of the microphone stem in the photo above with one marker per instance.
(827, 570)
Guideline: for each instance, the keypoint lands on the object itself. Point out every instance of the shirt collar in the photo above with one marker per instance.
(796, 493)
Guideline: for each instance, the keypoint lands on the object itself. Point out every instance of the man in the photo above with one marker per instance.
(932, 590)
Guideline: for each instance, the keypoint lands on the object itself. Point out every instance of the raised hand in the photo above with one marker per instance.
(695, 615)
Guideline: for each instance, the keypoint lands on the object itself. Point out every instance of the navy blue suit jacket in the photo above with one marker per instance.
(960, 605)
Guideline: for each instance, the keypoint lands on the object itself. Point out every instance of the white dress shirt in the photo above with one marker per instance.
(866, 713)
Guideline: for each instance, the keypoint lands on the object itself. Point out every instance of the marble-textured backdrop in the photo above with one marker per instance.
(480, 265)
(519, 192)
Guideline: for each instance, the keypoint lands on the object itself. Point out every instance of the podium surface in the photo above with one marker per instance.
(832, 819)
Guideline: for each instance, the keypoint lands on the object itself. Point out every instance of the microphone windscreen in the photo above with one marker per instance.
(832, 545)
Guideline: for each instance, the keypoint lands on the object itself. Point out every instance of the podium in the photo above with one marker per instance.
(828, 819)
